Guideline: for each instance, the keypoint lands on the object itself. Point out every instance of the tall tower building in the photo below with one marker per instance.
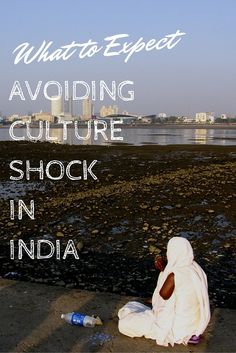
(71, 106)
(68, 106)
(56, 105)
(86, 109)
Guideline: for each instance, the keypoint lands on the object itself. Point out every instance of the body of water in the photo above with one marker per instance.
(140, 136)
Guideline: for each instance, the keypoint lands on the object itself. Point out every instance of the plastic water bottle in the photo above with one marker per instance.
(81, 320)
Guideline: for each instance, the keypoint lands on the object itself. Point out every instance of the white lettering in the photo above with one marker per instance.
(113, 47)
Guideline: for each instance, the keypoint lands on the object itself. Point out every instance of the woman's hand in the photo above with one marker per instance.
(160, 263)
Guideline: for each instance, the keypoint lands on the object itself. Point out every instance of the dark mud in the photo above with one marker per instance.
(144, 196)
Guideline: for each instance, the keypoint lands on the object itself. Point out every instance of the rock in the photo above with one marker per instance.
(9, 224)
(118, 246)
(153, 249)
(197, 218)
(60, 234)
(48, 236)
(178, 205)
(79, 245)
(151, 240)
(210, 211)
(155, 228)
(70, 285)
(115, 289)
(227, 245)
(156, 208)
(60, 283)
(143, 206)
(95, 231)
(231, 277)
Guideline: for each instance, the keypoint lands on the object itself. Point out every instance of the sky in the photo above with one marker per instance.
(197, 75)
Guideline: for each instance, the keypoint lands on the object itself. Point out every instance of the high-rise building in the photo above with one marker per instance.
(86, 109)
(204, 118)
(56, 105)
(68, 106)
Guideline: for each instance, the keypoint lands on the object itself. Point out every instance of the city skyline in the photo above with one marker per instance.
(196, 75)
(61, 106)
(64, 109)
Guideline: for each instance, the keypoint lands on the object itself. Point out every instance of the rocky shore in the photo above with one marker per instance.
(143, 196)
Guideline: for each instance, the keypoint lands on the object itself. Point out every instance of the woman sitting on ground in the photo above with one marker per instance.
(180, 304)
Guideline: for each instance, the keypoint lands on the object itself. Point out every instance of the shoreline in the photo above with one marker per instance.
(144, 196)
(145, 126)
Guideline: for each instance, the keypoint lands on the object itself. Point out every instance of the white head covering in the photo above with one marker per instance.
(179, 252)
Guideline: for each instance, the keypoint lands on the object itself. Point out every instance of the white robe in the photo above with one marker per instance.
(184, 314)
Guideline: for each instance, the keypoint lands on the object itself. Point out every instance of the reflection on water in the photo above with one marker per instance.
(13, 189)
(142, 136)
(57, 135)
(201, 136)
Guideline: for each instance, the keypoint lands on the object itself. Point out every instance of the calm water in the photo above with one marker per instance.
(143, 136)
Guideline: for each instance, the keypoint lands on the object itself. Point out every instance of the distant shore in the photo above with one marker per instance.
(147, 126)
